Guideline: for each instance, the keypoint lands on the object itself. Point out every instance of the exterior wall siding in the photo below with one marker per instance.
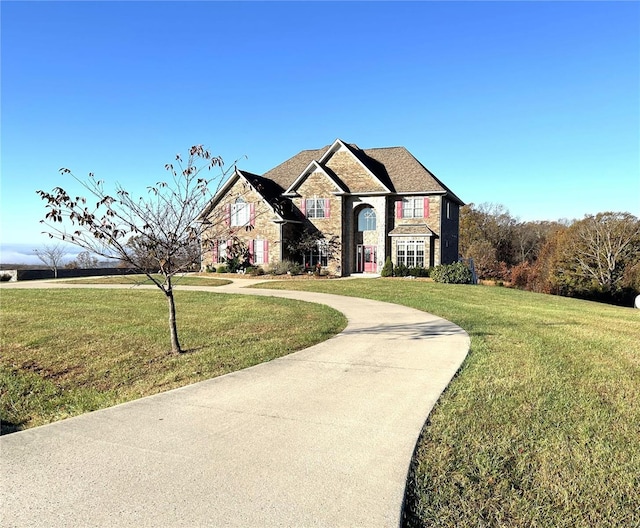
(317, 185)
(362, 190)
(264, 227)
(377, 238)
(450, 230)
(352, 173)
(432, 243)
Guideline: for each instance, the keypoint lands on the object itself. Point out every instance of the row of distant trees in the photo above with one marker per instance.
(597, 257)
(54, 256)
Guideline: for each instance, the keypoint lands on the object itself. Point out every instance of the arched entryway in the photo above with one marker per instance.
(366, 237)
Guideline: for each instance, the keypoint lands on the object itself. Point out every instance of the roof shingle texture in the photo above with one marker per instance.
(395, 167)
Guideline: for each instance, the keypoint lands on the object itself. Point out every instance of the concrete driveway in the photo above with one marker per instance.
(322, 437)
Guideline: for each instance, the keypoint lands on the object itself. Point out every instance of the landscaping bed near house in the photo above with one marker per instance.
(66, 352)
(540, 426)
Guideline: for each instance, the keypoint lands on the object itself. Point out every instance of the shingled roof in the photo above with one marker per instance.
(287, 172)
(272, 193)
(395, 167)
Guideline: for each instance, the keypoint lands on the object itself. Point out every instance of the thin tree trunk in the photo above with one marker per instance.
(173, 327)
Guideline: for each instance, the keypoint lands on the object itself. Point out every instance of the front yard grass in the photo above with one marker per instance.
(136, 280)
(541, 426)
(66, 352)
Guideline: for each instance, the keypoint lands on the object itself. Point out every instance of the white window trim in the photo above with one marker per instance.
(413, 207)
(315, 207)
(408, 252)
(258, 252)
(240, 212)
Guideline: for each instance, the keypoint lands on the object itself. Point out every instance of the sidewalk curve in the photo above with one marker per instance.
(321, 437)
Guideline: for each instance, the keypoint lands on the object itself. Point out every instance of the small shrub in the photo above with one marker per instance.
(223, 269)
(286, 266)
(418, 271)
(5, 277)
(400, 270)
(210, 268)
(457, 273)
(234, 264)
(387, 269)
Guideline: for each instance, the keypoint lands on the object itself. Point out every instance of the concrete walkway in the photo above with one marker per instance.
(322, 437)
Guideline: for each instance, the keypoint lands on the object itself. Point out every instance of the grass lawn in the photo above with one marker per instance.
(187, 280)
(541, 426)
(66, 352)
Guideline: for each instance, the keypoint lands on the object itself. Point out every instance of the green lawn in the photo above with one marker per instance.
(187, 280)
(66, 352)
(541, 427)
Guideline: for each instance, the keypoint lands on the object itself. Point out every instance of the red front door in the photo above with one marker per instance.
(367, 261)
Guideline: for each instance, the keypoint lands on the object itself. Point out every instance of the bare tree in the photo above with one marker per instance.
(603, 246)
(164, 223)
(85, 260)
(52, 256)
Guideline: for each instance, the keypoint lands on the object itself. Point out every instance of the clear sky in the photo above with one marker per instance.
(533, 105)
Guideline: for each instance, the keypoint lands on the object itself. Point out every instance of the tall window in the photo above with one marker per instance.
(239, 213)
(410, 253)
(413, 207)
(367, 219)
(220, 251)
(259, 251)
(316, 207)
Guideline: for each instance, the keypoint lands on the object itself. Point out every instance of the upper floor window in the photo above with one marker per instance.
(240, 213)
(367, 219)
(413, 207)
(316, 207)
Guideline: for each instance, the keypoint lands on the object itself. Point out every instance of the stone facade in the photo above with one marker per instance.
(318, 186)
(263, 226)
(324, 191)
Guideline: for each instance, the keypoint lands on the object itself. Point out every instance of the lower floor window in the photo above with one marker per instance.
(259, 252)
(220, 251)
(410, 253)
(318, 255)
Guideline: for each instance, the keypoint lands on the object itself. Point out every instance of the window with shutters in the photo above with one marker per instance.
(317, 207)
(413, 207)
(259, 252)
(220, 251)
(240, 213)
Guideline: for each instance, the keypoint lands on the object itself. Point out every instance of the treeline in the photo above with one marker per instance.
(596, 258)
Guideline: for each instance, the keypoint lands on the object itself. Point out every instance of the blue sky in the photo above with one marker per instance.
(533, 105)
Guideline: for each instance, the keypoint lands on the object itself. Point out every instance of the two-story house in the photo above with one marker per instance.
(355, 207)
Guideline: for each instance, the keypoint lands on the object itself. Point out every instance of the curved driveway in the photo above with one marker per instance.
(321, 437)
